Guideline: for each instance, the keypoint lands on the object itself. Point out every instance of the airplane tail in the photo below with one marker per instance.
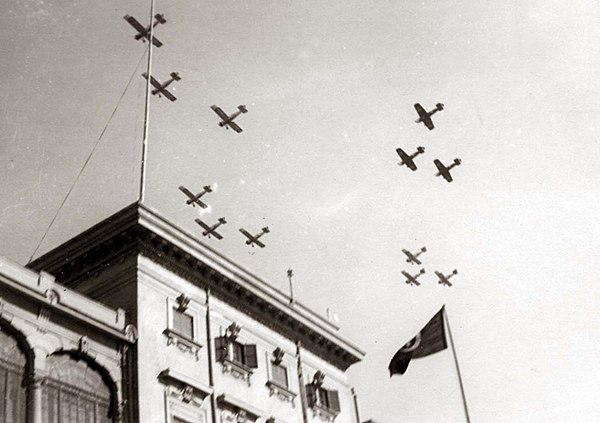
(175, 76)
(242, 109)
(207, 188)
(266, 229)
(457, 162)
(439, 106)
(424, 249)
(160, 18)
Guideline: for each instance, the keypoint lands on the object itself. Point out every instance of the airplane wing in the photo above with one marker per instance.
(200, 203)
(216, 235)
(260, 244)
(443, 170)
(246, 234)
(134, 23)
(156, 42)
(425, 117)
(168, 95)
(220, 112)
(187, 192)
(153, 81)
(204, 225)
(234, 126)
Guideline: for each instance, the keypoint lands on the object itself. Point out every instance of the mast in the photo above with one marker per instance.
(147, 108)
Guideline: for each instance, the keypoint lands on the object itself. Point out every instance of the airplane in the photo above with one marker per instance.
(253, 239)
(443, 280)
(412, 280)
(445, 170)
(227, 121)
(412, 258)
(211, 230)
(162, 88)
(408, 160)
(425, 116)
(144, 33)
(195, 198)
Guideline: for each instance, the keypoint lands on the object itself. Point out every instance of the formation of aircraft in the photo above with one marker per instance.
(445, 170)
(413, 258)
(211, 230)
(425, 116)
(408, 160)
(161, 89)
(444, 280)
(194, 199)
(412, 279)
(144, 33)
(227, 121)
(253, 239)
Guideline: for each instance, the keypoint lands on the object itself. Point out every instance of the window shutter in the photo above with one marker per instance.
(334, 401)
(250, 356)
(311, 395)
(220, 348)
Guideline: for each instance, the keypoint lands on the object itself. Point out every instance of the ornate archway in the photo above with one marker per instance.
(77, 390)
(16, 360)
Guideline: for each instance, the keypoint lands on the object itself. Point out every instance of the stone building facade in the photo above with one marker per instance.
(203, 340)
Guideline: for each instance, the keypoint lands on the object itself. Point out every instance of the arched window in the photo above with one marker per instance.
(74, 392)
(12, 373)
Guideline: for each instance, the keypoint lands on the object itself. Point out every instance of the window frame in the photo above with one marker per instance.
(190, 311)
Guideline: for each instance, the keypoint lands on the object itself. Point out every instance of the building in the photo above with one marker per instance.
(171, 330)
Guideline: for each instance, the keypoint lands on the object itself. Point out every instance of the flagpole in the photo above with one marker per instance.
(147, 107)
(462, 389)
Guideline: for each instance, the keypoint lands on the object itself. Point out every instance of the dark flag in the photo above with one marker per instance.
(431, 339)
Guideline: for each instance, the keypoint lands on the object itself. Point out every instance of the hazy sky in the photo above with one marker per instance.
(330, 90)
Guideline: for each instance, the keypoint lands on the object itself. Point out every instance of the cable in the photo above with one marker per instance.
(89, 156)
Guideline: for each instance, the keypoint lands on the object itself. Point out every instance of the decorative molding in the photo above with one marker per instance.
(318, 378)
(237, 370)
(278, 354)
(233, 331)
(325, 414)
(282, 393)
(43, 318)
(237, 411)
(183, 301)
(131, 333)
(52, 296)
(183, 343)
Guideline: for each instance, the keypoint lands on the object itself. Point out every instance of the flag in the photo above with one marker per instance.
(431, 339)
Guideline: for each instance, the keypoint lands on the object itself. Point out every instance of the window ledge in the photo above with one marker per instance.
(324, 413)
(282, 393)
(183, 343)
(237, 370)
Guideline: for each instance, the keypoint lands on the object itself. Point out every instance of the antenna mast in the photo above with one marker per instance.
(290, 273)
(147, 108)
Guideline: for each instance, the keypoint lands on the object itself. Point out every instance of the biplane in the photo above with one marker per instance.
(444, 280)
(445, 170)
(253, 239)
(211, 230)
(161, 89)
(194, 199)
(227, 121)
(413, 258)
(144, 33)
(412, 279)
(408, 160)
(425, 116)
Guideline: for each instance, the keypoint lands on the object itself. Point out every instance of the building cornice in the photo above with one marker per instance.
(42, 288)
(137, 229)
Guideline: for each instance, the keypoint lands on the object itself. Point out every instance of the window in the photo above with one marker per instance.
(74, 393)
(244, 354)
(279, 374)
(320, 397)
(183, 323)
(179, 420)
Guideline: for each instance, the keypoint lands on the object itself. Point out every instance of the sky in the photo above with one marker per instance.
(330, 89)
